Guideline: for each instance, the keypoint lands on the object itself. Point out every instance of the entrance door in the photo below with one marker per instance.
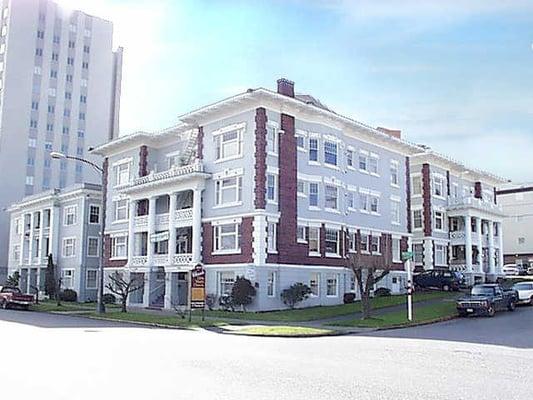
(183, 289)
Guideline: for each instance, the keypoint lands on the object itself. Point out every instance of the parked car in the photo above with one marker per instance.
(525, 292)
(530, 270)
(486, 299)
(12, 296)
(440, 279)
(510, 270)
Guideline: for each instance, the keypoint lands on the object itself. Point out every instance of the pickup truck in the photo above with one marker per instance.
(12, 296)
(486, 299)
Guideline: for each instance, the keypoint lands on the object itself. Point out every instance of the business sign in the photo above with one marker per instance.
(407, 255)
(159, 237)
(198, 287)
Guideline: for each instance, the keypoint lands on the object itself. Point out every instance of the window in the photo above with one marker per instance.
(394, 179)
(87, 33)
(271, 284)
(83, 99)
(418, 251)
(121, 210)
(375, 244)
(272, 139)
(52, 92)
(350, 200)
(40, 34)
(66, 130)
(330, 194)
(439, 220)
(30, 161)
(363, 202)
(56, 39)
(92, 247)
(228, 191)
(32, 142)
(53, 74)
(300, 187)
(51, 109)
(300, 142)
(313, 194)
(373, 162)
(314, 240)
(417, 219)
(70, 61)
(67, 278)
(521, 240)
(438, 186)
(272, 237)
(38, 52)
(16, 252)
(81, 116)
(314, 284)
(227, 237)
(271, 188)
(374, 204)
(94, 214)
(33, 123)
(34, 105)
(330, 153)
(37, 70)
(92, 278)
(396, 257)
(85, 65)
(81, 134)
(68, 95)
(86, 49)
(349, 158)
(395, 211)
(122, 173)
(440, 254)
(229, 145)
(416, 185)
(301, 236)
(313, 149)
(71, 44)
(332, 241)
(84, 83)
(70, 215)
(331, 285)
(29, 180)
(69, 247)
(364, 242)
(362, 162)
(119, 247)
(352, 241)
(68, 78)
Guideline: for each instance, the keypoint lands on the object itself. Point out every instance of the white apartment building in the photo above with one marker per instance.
(63, 223)
(59, 91)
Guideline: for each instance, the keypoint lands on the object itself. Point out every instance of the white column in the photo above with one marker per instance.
(479, 243)
(131, 230)
(22, 236)
(38, 279)
(151, 229)
(168, 290)
(41, 237)
(32, 227)
(147, 288)
(468, 243)
(260, 228)
(500, 245)
(54, 233)
(196, 225)
(172, 228)
(492, 267)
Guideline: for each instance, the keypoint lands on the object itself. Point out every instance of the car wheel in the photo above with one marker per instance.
(511, 306)
(446, 288)
(463, 314)
(491, 311)
(4, 305)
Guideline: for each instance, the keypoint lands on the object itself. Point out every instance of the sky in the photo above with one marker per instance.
(455, 75)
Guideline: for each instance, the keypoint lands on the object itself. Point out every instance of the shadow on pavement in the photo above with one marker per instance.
(48, 320)
(511, 329)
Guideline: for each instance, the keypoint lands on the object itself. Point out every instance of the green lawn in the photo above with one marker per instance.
(428, 313)
(316, 313)
(170, 320)
(51, 306)
(285, 331)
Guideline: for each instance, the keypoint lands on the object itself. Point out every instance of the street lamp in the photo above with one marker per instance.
(100, 301)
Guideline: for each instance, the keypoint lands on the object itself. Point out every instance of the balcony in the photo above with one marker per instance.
(139, 261)
(182, 259)
(162, 259)
(464, 203)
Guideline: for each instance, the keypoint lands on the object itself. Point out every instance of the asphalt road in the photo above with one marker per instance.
(61, 357)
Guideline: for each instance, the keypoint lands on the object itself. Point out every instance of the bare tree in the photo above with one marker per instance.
(122, 287)
(369, 270)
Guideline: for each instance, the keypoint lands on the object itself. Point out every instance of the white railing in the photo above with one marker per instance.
(182, 259)
(141, 221)
(470, 201)
(185, 214)
(161, 219)
(139, 261)
(169, 173)
(457, 235)
(458, 267)
(160, 259)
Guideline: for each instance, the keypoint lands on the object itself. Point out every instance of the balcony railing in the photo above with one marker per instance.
(473, 202)
(173, 172)
(139, 261)
(141, 221)
(182, 259)
(160, 259)
(184, 214)
(161, 219)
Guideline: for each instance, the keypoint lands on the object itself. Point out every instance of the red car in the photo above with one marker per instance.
(12, 296)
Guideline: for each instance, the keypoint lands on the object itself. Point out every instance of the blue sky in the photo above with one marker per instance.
(455, 75)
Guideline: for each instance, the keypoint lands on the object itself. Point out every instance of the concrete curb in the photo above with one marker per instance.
(433, 321)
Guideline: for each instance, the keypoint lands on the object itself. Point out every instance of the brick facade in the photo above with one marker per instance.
(408, 193)
(108, 263)
(200, 143)
(143, 161)
(246, 254)
(426, 196)
(260, 158)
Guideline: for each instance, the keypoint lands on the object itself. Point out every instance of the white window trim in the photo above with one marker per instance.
(125, 257)
(336, 285)
(66, 214)
(216, 233)
(97, 246)
(87, 279)
(63, 252)
(276, 189)
(218, 193)
(421, 219)
(118, 221)
(240, 128)
(274, 281)
(99, 214)
(317, 276)
(413, 177)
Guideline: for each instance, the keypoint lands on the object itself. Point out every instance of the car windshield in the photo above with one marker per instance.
(523, 286)
(482, 291)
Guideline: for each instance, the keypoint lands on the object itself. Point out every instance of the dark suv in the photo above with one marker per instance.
(444, 280)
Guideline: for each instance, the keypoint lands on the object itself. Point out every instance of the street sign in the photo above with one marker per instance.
(407, 255)
(198, 287)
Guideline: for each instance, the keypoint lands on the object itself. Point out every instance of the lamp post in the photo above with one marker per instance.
(100, 303)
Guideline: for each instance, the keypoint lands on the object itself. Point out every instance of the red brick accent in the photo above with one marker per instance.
(426, 195)
(448, 183)
(408, 193)
(495, 195)
(260, 158)
(246, 254)
(200, 143)
(108, 263)
(286, 87)
(143, 161)
(478, 194)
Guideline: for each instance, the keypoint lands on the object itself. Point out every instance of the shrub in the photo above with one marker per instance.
(109, 298)
(349, 298)
(226, 302)
(382, 291)
(295, 294)
(210, 301)
(68, 295)
(243, 292)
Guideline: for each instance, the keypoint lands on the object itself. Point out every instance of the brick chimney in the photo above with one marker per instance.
(391, 132)
(286, 87)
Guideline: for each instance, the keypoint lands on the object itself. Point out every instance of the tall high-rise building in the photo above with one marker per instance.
(59, 91)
